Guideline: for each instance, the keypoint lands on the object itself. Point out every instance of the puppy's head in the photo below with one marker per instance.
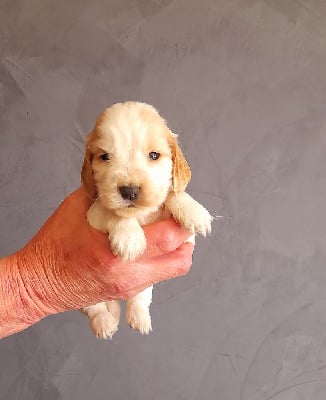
(133, 160)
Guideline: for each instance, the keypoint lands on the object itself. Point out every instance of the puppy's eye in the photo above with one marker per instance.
(105, 157)
(153, 155)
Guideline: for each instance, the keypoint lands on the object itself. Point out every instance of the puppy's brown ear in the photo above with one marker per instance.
(181, 173)
(87, 175)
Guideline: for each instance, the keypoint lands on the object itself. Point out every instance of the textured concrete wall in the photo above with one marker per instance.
(244, 84)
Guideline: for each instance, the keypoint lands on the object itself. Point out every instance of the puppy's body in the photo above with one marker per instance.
(135, 170)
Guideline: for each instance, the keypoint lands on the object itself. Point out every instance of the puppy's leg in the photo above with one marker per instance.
(127, 238)
(104, 318)
(189, 213)
(138, 316)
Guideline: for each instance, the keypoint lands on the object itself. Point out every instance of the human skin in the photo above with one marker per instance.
(68, 265)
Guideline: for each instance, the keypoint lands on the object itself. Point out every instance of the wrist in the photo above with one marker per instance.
(37, 291)
(17, 309)
(26, 292)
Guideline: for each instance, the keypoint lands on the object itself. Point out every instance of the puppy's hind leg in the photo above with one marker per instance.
(137, 315)
(104, 318)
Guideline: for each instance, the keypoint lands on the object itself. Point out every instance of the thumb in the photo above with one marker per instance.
(170, 265)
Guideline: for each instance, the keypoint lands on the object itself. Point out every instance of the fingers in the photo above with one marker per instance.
(174, 264)
(162, 268)
(164, 236)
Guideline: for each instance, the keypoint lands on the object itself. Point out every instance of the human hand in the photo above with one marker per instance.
(69, 265)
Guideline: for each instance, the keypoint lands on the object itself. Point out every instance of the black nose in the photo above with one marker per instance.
(129, 192)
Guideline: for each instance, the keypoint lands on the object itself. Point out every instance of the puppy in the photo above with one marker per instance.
(137, 174)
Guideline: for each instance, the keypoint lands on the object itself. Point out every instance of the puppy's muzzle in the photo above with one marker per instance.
(129, 192)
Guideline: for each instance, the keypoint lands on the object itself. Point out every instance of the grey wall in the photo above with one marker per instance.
(244, 84)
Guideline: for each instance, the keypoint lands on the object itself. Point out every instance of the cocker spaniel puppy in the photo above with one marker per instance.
(136, 173)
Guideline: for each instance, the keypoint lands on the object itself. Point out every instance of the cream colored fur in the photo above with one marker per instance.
(128, 133)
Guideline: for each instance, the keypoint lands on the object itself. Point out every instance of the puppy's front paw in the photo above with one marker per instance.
(197, 219)
(128, 244)
(139, 319)
(189, 213)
